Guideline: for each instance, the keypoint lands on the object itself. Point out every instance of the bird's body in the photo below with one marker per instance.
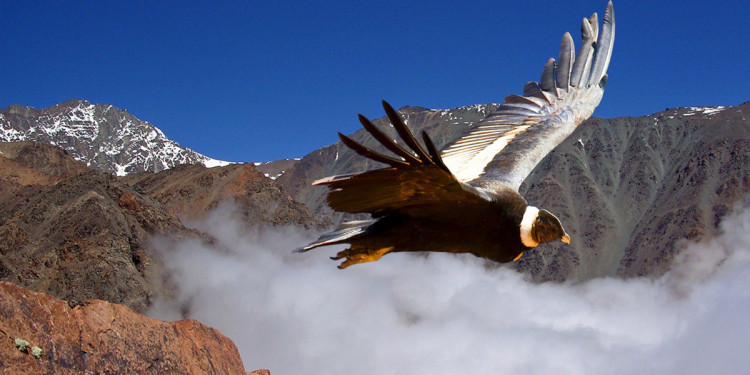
(458, 228)
(465, 199)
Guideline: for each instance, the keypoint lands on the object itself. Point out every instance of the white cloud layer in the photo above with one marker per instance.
(298, 314)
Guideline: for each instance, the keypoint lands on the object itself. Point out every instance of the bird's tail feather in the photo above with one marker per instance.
(340, 235)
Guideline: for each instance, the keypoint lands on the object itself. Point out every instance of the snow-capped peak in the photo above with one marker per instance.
(101, 136)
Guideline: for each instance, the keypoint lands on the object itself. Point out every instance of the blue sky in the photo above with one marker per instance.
(270, 80)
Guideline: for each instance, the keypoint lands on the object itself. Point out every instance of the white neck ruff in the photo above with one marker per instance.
(526, 223)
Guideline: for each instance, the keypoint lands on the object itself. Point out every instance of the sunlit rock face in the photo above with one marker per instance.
(101, 337)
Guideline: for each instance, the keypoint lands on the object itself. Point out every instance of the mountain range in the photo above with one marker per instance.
(78, 233)
(102, 136)
(626, 189)
(84, 189)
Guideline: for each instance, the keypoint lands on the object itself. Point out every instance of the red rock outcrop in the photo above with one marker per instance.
(104, 338)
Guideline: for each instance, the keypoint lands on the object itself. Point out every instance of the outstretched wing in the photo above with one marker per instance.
(510, 142)
(416, 178)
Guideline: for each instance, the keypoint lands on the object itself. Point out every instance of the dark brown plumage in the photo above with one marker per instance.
(418, 205)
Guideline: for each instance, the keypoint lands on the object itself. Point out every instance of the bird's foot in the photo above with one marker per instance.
(354, 256)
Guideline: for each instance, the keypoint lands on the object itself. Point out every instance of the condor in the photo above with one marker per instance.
(465, 199)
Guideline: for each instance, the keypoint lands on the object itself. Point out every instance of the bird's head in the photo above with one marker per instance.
(540, 226)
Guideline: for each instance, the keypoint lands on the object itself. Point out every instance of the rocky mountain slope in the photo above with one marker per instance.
(83, 237)
(101, 136)
(626, 189)
(40, 334)
(629, 189)
(78, 234)
(191, 191)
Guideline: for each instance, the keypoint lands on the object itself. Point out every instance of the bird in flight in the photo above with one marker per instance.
(465, 198)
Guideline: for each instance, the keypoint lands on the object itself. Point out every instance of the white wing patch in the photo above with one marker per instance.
(467, 158)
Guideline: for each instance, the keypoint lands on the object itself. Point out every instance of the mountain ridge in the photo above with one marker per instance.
(627, 172)
(102, 136)
(77, 233)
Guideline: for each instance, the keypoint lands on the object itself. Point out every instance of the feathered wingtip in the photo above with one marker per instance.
(596, 49)
(590, 64)
(603, 47)
(582, 70)
(415, 155)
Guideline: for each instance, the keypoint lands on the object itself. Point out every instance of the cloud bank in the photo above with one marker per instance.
(298, 314)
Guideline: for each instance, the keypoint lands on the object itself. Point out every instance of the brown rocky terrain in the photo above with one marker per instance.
(40, 334)
(81, 234)
(35, 163)
(85, 237)
(191, 191)
(25, 165)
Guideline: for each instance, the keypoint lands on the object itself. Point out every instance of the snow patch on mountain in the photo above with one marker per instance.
(704, 110)
(102, 136)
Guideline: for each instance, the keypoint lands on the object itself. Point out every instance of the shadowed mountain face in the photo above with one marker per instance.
(78, 234)
(626, 189)
(84, 237)
(629, 189)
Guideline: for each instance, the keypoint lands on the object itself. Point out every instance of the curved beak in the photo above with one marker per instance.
(565, 238)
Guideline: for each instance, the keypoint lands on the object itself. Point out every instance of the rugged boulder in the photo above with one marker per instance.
(40, 334)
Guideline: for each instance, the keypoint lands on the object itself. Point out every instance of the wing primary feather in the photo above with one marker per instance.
(434, 152)
(604, 45)
(594, 22)
(518, 99)
(532, 89)
(517, 110)
(405, 133)
(579, 75)
(548, 76)
(565, 62)
(385, 141)
(366, 152)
